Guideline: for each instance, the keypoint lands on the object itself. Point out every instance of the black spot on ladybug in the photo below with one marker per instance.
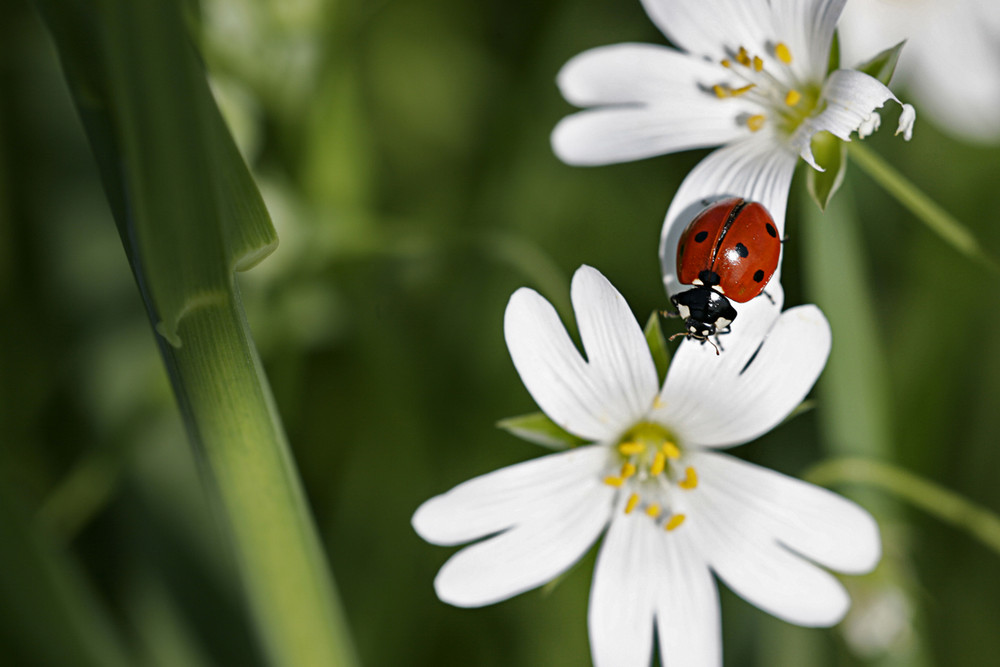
(758, 275)
(680, 251)
(771, 230)
(700, 236)
(709, 277)
(741, 250)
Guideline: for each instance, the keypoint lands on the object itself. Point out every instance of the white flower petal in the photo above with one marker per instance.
(754, 565)
(595, 400)
(662, 100)
(641, 73)
(503, 498)
(621, 599)
(811, 521)
(616, 347)
(750, 387)
(757, 168)
(687, 605)
(806, 28)
(622, 134)
(950, 60)
(713, 28)
(851, 97)
(527, 555)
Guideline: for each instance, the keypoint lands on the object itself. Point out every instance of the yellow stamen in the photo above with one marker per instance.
(784, 54)
(628, 469)
(675, 521)
(756, 122)
(744, 89)
(657, 403)
(659, 463)
(671, 450)
(793, 97)
(726, 62)
(653, 510)
(721, 91)
(631, 448)
(743, 57)
(633, 502)
(690, 480)
(613, 481)
(758, 64)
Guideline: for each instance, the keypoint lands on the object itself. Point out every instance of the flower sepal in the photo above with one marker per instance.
(883, 65)
(537, 428)
(657, 345)
(830, 153)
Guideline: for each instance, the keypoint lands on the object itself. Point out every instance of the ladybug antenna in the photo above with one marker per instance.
(703, 340)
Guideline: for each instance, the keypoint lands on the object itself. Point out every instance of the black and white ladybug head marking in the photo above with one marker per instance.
(705, 311)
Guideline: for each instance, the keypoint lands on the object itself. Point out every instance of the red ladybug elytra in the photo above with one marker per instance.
(729, 251)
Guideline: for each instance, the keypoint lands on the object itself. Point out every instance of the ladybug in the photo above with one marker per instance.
(729, 251)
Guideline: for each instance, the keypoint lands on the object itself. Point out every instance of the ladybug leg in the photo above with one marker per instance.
(769, 297)
(718, 343)
(669, 314)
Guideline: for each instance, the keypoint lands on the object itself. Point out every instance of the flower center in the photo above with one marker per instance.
(785, 101)
(651, 471)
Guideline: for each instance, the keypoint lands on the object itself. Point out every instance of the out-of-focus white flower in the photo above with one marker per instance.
(951, 61)
(750, 75)
(675, 508)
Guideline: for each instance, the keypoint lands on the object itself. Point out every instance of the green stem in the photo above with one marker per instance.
(936, 218)
(937, 501)
(234, 424)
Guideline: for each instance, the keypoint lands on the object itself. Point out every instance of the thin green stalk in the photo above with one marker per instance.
(930, 213)
(979, 522)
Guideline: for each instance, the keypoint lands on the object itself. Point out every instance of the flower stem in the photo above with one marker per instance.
(946, 505)
(936, 218)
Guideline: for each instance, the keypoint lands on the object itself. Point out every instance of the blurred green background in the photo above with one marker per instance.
(402, 148)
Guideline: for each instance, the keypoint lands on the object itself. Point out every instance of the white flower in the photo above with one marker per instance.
(675, 508)
(950, 62)
(751, 75)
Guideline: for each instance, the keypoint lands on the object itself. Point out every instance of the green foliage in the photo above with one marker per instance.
(657, 346)
(831, 154)
(536, 427)
(883, 65)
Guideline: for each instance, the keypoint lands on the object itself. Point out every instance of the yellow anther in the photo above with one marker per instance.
(613, 481)
(758, 64)
(690, 480)
(671, 450)
(726, 62)
(628, 469)
(721, 91)
(657, 403)
(633, 502)
(743, 57)
(744, 89)
(675, 521)
(793, 97)
(784, 54)
(631, 448)
(756, 122)
(659, 463)
(653, 510)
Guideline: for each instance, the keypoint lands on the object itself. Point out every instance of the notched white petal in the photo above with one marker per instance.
(503, 498)
(620, 615)
(850, 98)
(753, 384)
(525, 556)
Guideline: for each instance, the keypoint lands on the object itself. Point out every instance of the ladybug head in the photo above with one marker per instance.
(705, 311)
